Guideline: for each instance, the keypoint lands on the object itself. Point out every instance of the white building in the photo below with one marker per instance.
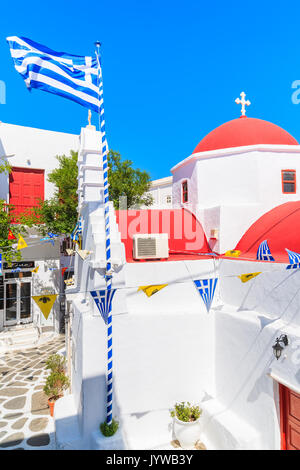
(31, 153)
(168, 347)
(161, 191)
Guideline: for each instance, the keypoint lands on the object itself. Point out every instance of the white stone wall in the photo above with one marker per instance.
(33, 148)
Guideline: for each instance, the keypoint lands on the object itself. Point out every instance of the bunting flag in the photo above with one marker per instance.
(233, 253)
(83, 253)
(247, 277)
(294, 259)
(49, 238)
(264, 253)
(150, 290)
(11, 236)
(21, 243)
(16, 270)
(103, 300)
(70, 252)
(45, 303)
(63, 270)
(77, 232)
(206, 288)
(35, 270)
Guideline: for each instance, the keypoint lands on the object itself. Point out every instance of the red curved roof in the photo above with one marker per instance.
(244, 131)
(186, 235)
(280, 227)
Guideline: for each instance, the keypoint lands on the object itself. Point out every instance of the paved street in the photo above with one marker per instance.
(25, 422)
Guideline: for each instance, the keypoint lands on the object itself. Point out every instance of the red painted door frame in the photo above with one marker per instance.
(26, 186)
(289, 404)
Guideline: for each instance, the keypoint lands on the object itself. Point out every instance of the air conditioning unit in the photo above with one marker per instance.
(150, 246)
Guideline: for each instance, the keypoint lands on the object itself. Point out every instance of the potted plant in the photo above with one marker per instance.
(56, 363)
(187, 424)
(55, 385)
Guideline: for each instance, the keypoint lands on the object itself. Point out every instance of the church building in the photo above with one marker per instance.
(206, 299)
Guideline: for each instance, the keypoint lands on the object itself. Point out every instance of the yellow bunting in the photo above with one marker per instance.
(83, 253)
(150, 290)
(69, 282)
(70, 252)
(247, 277)
(21, 243)
(78, 242)
(233, 253)
(35, 270)
(45, 303)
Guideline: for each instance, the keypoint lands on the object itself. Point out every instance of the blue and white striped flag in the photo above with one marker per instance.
(70, 76)
(294, 259)
(103, 300)
(77, 232)
(264, 253)
(206, 288)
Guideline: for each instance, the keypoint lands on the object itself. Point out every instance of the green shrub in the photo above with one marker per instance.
(56, 363)
(186, 412)
(109, 429)
(55, 385)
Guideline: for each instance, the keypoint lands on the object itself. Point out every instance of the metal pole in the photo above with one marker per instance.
(108, 276)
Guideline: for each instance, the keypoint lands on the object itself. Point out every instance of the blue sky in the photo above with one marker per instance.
(172, 69)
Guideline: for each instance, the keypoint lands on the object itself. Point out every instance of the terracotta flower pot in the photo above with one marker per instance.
(51, 406)
(51, 403)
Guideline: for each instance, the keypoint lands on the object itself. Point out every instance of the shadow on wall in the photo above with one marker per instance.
(82, 429)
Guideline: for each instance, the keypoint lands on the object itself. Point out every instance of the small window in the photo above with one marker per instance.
(185, 195)
(288, 181)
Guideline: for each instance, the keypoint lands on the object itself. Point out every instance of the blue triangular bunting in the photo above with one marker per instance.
(294, 259)
(103, 300)
(264, 253)
(206, 288)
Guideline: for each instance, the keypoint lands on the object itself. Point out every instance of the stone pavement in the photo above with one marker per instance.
(25, 421)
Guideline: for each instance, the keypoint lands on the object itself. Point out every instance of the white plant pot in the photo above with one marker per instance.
(187, 433)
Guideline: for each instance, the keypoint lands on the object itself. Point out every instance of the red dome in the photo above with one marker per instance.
(280, 227)
(242, 132)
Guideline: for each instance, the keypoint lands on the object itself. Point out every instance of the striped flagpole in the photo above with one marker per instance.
(108, 277)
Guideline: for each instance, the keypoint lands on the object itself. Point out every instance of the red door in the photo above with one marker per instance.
(290, 419)
(26, 187)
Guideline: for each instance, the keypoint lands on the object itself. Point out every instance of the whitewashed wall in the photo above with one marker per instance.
(39, 146)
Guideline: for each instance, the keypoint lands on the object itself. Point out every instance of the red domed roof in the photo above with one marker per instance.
(280, 227)
(242, 132)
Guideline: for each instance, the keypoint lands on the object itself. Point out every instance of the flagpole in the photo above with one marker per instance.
(108, 276)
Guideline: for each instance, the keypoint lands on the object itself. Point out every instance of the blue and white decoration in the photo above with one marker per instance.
(77, 232)
(0, 264)
(103, 300)
(264, 253)
(206, 288)
(70, 76)
(294, 259)
(49, 238)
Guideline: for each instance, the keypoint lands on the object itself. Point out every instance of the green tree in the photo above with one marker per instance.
(127, 181)
(59, 214)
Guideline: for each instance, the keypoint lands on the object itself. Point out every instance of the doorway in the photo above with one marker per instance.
(290, 418)
(17, 302)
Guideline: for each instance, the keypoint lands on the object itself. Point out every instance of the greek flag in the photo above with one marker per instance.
(294, 260)
(206, 288)
(71, 76)
(75, 235)
(103, 300)
(264, 253)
